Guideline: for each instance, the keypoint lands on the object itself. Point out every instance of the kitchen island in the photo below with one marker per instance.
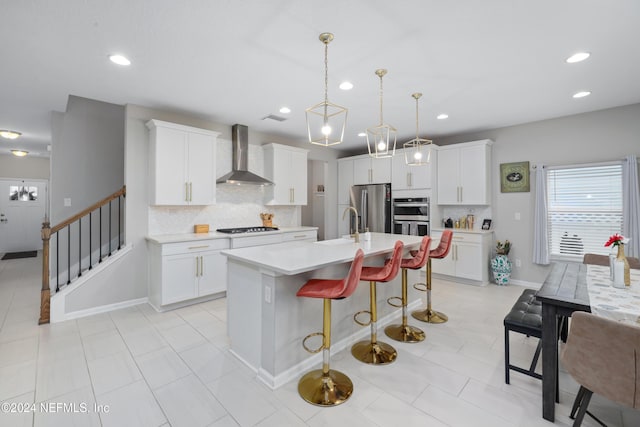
(267, 322)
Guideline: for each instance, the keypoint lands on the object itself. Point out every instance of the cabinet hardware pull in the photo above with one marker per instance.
(198, 247)
(197, 272)
(190, 191)
(186, 191)
(201, 266)
(461, 196)
(299, 236)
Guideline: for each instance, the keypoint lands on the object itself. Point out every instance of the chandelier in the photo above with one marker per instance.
(417, 152)
(326, 121)
(381, 139)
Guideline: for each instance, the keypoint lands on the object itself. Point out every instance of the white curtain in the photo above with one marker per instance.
(540, 235)
(631, 205)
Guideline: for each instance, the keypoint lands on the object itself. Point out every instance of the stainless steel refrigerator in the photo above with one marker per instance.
(373, 203)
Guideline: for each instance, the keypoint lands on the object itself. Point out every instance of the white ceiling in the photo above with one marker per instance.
(487, 64)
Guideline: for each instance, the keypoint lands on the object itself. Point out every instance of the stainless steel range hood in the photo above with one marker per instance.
(240, 174)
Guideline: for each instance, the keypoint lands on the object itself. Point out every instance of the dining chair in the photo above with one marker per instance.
(603, 356)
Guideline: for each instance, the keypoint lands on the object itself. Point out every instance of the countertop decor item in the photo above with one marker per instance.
(514, 177)
(621, 273)
(501, 264)
(267, 219)
(201, 228)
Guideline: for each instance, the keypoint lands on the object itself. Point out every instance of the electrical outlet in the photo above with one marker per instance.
(67, 201)
(518, 262)
(267, 294)
(517, 216)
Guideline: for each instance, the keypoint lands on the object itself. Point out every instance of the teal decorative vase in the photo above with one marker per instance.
(501, 268)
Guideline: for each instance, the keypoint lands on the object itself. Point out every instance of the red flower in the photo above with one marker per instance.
(614, 240)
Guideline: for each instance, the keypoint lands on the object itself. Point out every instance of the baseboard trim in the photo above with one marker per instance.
(103, 309)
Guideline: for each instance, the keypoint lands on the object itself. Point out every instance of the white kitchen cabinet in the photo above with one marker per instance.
(345, 180)
(184, 271)
(468, 257)
(407, 177)
(369, 170)
(464, 173)
(286, 166)
(181, 164)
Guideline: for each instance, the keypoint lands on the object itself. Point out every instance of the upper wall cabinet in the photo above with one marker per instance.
(464, 173)
(406, 177)
(345, 180)
(182, 164)
(286, 166)
(369, 170)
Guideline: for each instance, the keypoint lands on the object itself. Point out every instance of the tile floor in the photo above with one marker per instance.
(137, 367)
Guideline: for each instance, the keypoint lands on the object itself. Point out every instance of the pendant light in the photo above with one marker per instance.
(326, 121)
(417, 152)
(381, 139)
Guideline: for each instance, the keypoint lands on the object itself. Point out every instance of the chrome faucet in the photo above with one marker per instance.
(355, 235)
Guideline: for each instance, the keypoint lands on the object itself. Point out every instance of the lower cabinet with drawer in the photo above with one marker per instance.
(468, 257)
(186, 271)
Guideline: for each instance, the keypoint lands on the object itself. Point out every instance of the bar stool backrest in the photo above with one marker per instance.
(353, 278)
(390, 269)
(445, 244)
(420, 257)
(604, 356)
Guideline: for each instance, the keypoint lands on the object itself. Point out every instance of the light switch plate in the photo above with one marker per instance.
(67, 201)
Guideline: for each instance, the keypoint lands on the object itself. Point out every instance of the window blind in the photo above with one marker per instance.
(584, 209)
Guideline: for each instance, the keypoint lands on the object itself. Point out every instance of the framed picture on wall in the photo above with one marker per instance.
(486, 224)
(514, 177)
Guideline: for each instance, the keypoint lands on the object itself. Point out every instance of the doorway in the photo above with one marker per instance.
(23, 207)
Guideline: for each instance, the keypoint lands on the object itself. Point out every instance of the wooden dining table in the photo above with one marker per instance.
(563, 292)
(573, 287)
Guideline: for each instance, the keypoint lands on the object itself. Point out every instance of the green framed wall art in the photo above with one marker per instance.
(514, 177)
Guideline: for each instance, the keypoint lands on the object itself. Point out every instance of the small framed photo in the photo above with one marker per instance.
(514, 177)
(486, 224)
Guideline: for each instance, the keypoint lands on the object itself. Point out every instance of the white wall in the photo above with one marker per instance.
(87, 162)
(591, 137)
(24, 167)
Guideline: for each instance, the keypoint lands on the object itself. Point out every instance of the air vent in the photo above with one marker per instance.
(274, 117)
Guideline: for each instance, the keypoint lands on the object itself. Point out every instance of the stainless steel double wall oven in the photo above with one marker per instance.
(411, 216)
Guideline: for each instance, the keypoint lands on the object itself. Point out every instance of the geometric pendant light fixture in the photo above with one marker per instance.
(381, 139)
(326, 121)
(417, 152)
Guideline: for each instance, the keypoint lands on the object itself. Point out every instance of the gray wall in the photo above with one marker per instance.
(24, 167)
(591, 137)
(87, 161)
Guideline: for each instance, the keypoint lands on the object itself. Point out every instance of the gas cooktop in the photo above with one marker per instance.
(237, 230)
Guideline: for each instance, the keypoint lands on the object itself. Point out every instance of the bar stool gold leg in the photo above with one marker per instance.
(429, 315)
(374, 352)
(404, 332)
(325, 387)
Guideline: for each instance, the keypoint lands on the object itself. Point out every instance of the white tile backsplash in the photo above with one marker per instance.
(236, 205)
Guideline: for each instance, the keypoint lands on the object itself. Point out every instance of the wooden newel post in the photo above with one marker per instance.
(45, 294)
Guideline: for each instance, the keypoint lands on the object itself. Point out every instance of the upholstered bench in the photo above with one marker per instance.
(525, 317)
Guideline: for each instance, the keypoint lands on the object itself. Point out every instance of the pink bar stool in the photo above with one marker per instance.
(327, 387)
(404, 332)
(428, 315)
(373, 351)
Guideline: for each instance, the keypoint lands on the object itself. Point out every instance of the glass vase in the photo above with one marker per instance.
(622, 259)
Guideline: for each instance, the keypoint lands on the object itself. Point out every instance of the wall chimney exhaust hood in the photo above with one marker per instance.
(240, 174)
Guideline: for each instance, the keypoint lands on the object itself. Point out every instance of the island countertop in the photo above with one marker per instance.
(298, 257)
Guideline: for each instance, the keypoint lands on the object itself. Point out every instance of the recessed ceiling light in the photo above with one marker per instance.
(362, 134)
(346, 86)
(9, 134)
(581, 94)
(119, 59)
(19, 153)
(285, 110)
(577, 57)
(442, 116)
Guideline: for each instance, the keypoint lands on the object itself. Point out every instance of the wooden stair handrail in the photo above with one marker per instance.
(47, 231)
(71, 220)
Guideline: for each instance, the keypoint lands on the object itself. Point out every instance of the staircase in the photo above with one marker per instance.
(79, 244)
